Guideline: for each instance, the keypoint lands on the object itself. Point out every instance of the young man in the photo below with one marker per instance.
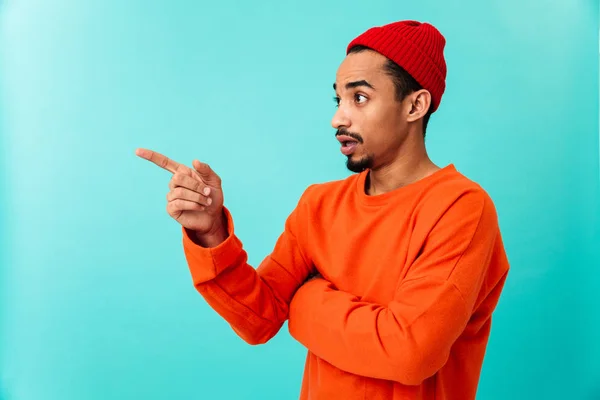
(388, 277)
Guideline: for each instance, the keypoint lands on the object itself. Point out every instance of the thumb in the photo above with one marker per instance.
(206, 173)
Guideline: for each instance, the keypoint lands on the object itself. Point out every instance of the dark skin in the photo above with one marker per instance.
(391, 132)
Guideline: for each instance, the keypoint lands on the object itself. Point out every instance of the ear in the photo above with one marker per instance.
(420, 101)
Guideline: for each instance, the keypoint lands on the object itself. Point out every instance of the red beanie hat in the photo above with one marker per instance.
(417, 47)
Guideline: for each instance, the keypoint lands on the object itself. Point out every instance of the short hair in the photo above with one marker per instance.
(404, 83)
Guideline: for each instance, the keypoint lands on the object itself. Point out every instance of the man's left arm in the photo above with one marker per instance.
(409, 339)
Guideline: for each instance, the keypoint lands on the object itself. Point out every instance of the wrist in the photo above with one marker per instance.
(217, 235)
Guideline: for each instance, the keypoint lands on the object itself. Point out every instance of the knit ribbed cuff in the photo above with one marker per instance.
(206, 263)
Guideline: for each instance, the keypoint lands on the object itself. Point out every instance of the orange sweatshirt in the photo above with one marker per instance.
(401, 306)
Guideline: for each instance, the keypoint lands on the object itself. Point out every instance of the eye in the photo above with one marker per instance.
(359, 98)
(336, 99)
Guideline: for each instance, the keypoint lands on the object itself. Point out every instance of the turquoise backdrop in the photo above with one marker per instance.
(96, 299)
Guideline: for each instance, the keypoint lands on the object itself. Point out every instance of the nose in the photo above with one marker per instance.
(340, 119)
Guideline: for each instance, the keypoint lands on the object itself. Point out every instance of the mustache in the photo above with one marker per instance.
(353, 135)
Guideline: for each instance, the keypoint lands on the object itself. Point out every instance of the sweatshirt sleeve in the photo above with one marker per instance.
(410, 338)
(255, 302)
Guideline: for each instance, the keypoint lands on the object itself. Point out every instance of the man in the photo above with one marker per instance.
(388, 277)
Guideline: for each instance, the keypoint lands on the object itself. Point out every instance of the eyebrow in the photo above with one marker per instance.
(355, 84)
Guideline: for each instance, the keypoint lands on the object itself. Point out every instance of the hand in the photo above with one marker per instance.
(195, 199)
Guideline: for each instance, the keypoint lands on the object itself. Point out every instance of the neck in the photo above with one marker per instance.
(409, 165)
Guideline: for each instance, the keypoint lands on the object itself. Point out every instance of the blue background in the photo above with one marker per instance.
(97, 302)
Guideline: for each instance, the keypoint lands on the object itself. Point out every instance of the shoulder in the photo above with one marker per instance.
(457, 196)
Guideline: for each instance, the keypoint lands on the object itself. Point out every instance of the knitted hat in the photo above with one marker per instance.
(417, 47)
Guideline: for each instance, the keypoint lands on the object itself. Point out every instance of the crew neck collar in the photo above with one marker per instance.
(407, 190)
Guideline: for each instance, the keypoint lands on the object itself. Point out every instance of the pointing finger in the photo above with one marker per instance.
(158, 159)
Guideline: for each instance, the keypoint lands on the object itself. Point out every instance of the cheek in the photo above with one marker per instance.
(392, 121)
(381, 122)
(381, 129)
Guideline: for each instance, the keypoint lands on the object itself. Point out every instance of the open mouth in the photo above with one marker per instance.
(348, 144)
(349, 147)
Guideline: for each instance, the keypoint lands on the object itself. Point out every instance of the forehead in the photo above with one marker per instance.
(364, 65)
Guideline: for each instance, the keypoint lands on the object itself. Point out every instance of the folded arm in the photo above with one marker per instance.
(255, 302)
(410, 338)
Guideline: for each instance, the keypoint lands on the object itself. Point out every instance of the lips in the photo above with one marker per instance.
(348, 148)
(348, 144)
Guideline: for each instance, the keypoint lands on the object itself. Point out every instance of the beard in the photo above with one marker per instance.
(360, 164)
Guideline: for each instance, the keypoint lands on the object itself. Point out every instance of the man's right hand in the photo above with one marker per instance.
(195, 198)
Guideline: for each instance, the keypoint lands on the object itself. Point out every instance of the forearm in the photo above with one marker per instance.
(373, 340)
(255, 302)
(239, 295)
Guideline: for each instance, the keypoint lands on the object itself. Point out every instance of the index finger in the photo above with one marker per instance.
(158, 159)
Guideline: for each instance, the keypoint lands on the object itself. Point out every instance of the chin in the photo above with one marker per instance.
(358, 164)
